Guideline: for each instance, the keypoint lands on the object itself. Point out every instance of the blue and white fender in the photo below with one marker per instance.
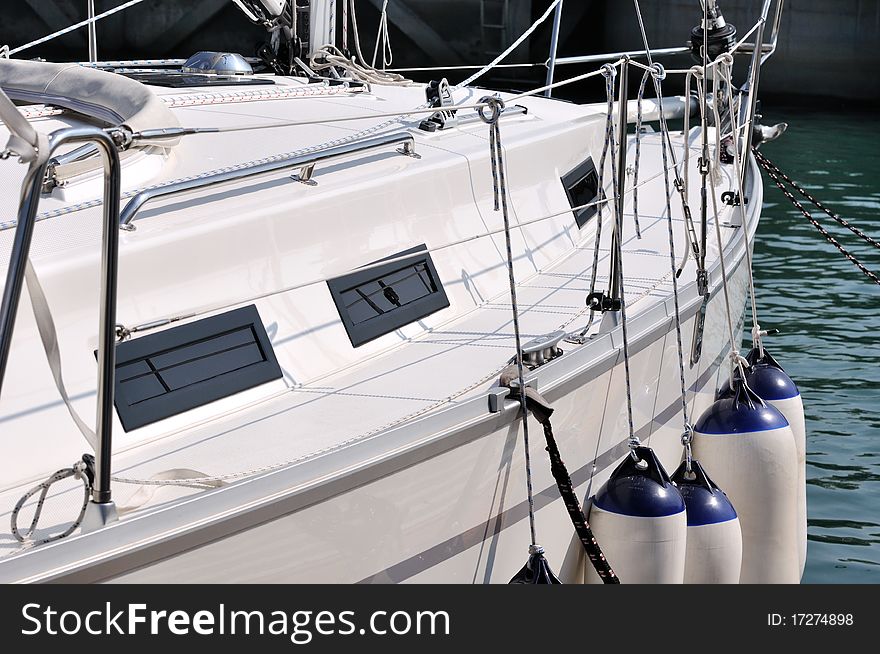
(750, 449)
(767, 378)
(714, 536)
(638, 518)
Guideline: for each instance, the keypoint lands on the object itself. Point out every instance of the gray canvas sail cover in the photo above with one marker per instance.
(110, 98)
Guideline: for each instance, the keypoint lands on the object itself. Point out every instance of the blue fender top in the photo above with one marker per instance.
(727, 416)
(706, 503)
(643, 493)
(771, 383)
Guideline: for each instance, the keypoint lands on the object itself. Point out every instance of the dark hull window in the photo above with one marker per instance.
(582, 187)
(380, 299)
(163, 374)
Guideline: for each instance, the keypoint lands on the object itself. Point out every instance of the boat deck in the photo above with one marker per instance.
(448, 364)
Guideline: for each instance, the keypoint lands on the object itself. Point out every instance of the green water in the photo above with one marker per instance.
(829, 317)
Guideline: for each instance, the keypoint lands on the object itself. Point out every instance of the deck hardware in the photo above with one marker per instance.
(301, 161)
(542, 349)
(599, 301)
(439, 96)
(732, 199)
(305, 175)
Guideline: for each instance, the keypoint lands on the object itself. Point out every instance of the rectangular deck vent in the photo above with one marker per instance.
(167, 373)
(380, 299)
(582, 187)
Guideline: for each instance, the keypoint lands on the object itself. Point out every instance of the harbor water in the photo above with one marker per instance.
(828, 314)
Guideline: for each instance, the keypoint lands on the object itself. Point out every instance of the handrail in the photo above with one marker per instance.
(305, 162)
(18, 261)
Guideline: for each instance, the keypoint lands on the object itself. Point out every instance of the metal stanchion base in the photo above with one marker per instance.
(98, 516)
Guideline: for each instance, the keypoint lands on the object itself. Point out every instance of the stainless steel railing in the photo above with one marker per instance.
(31, 191)
(305, 163)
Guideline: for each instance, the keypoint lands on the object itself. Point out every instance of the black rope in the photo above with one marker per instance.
(581, 526)
(773, 173)
(765, 162)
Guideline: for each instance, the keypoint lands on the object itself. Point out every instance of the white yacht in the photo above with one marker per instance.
(280, 303)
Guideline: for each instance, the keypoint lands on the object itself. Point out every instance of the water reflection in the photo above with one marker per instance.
(829, 315)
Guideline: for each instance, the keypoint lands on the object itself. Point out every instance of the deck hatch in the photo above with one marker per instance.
(582, 187)
(167, 373)
(380, 299)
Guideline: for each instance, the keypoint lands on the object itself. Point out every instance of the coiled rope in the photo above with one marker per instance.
(79, 470)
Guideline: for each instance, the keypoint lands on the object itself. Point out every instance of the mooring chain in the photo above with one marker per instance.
(828, 237)
(490, 113)
(765, 162)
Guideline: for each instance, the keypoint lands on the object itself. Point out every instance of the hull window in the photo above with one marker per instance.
(380, 299)
(164, 374)
(582, 187)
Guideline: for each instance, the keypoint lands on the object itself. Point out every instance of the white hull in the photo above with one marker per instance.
(381, 463)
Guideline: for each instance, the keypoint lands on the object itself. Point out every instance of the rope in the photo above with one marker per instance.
(687, 432)
(76, 26)
(575, 512)
(383, 37)
(609, 72)
(78, 470)
(680, 184)
(636, 166)
(769, 165)
(765, 164)
(499, 184)
(727, 71)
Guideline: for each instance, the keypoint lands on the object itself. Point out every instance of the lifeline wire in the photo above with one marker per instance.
(76, 26)
(499, 183)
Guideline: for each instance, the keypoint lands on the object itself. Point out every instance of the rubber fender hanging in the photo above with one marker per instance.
(714, 535)
(536, 570)
(769, 380)
(750, 449)
(638, 516)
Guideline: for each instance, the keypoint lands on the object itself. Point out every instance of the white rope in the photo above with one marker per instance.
(76, 26)
(77, 471)
(329, 56)
(383, 38)
(513, 46)
(738, 169)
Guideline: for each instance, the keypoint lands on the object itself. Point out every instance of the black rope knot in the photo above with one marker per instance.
(495, 105)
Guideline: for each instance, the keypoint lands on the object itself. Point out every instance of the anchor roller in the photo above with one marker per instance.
(639, 517)
(749, 446)
(714, 536)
